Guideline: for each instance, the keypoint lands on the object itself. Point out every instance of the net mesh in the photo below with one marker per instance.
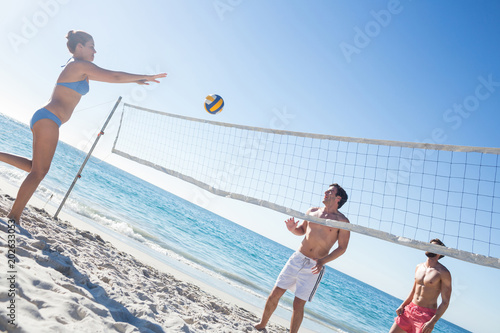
(407, 193)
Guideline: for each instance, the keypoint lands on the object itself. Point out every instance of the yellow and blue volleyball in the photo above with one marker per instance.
(214, 104)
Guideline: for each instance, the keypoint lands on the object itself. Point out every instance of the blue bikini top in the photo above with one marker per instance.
(81, 87)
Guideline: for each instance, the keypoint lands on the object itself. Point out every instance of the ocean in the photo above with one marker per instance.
(197, 241)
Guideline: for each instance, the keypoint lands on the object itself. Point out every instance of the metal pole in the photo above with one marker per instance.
(78, 175)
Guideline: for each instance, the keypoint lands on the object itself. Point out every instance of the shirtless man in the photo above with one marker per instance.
(303, 271)
(420, 312)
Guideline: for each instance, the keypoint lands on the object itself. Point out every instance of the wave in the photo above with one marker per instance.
(12, 175)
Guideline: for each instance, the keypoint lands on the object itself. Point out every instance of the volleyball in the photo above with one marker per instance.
(214, 104)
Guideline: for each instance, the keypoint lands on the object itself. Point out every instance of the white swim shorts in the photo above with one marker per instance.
(297, 276)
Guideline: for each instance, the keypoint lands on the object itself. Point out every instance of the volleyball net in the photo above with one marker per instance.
(401, 192)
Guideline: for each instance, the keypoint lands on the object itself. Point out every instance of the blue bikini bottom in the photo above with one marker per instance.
(43, 113)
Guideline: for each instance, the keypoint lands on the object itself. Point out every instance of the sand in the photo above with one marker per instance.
(70, 279)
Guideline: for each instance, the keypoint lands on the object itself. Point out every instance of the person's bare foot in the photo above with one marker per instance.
(260, 329)
(16, 227)
(12, 221)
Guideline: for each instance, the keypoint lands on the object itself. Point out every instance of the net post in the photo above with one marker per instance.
(78, 175)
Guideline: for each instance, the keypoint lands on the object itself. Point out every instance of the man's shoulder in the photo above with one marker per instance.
(314, 211)
(439, 267)
(343, 218)
(443, 270)
(422, 265)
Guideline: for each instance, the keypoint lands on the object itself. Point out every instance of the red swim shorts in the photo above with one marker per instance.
(414, 317)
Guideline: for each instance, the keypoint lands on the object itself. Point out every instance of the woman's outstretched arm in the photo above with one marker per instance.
(97, 73)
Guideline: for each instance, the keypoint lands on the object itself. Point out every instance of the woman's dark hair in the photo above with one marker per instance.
(75, 37)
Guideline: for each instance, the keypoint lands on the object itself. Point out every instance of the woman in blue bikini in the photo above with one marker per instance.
(72, 84)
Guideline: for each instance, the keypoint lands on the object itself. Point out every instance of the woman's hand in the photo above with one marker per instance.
(151, 78)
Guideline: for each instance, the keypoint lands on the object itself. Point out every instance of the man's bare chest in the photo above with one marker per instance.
(428, 277)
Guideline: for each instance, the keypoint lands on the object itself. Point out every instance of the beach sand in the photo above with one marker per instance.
(70, 278)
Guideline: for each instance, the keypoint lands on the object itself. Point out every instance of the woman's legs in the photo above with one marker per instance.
(45, 138)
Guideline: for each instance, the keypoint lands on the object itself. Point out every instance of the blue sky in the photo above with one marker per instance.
(395, 70)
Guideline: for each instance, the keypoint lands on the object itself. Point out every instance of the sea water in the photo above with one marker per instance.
(196, 241)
